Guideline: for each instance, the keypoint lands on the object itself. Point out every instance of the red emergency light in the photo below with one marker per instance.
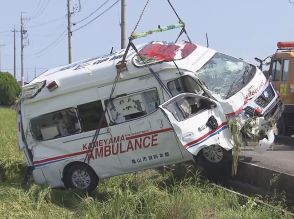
(284, 45)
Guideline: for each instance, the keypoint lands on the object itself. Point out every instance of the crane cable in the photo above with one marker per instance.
(181, 21)
(121, 66)
(91, 147)
(140, 18)
(100, 122)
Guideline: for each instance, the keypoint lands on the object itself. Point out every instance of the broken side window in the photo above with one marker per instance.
(132, 106)
(55, 125)
(186, 107)
(90, 115)
(184, 84)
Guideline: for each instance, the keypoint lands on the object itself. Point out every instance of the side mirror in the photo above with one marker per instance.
(257, 59)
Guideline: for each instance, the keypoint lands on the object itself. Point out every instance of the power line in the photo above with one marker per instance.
(47, 22)
(4, 31)
(43, 7)
(51, 44)
(26, 68)
(99, 15)
(37, 8)
(92, 12)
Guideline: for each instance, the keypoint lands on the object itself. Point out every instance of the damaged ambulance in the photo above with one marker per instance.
(165, 103)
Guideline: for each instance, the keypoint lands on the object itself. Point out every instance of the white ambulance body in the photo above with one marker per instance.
(148, 122)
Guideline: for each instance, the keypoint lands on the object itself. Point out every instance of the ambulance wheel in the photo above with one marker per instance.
(80, 176)
(215, 159)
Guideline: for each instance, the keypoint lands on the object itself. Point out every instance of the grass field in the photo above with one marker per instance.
(149, 194)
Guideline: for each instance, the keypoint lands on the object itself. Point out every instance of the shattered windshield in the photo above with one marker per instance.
(225, 75)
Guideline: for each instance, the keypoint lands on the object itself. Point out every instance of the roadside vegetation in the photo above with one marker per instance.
(165, 193)
(9, 89)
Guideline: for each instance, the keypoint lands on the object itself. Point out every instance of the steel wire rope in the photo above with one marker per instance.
(180, 20)
(155, 74)
(50, 45)
(99, 15)
(97, 132)
(97, 9)
(141, 16)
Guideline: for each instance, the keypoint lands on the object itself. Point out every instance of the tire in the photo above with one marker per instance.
(216, 160)
(80, 176)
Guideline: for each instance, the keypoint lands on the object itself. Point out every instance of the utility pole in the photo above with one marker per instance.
(123, 24)
(69, 33)
(14, 52)
(21, 50)
(23, 37)
(1, 45)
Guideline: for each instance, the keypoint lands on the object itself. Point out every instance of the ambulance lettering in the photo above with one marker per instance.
(252, 91)
(119, 145)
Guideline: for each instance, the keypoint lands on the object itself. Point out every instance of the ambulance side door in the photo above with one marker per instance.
(146, 136)
(198, 122)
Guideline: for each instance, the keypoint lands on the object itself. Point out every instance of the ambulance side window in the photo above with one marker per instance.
(55, 125)
(90, 115)
(184, 84)
(186, 107)
(132, 106)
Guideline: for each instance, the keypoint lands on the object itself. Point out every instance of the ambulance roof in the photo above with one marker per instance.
(102, 70)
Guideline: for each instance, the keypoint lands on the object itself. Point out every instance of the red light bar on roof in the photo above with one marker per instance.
(284, 45)
(167, 52)
(156, 52)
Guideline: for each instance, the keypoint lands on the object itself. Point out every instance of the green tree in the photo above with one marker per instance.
(9, 89)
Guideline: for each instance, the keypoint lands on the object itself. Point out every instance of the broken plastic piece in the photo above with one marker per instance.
(265, 143)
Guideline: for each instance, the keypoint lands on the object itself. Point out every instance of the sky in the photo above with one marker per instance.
(240, 28)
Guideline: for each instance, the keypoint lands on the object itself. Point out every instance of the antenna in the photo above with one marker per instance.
(207, 40)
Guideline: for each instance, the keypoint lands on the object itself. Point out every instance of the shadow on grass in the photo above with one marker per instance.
(12, 171)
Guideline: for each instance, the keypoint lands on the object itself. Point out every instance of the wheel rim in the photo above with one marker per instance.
(213, 154)
(81, 179)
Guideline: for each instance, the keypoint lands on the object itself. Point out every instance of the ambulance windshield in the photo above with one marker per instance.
(225, 75)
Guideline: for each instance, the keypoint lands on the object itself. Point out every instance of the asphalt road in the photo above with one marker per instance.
(280, 158)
